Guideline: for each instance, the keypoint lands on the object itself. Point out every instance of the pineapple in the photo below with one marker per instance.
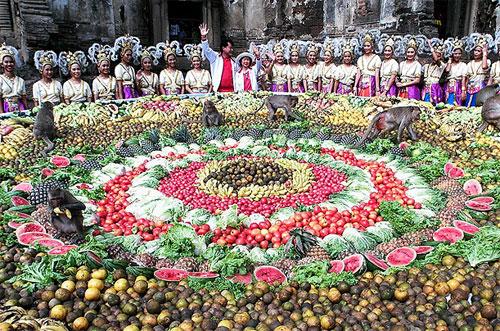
(181, 134)
(205, 266)
(90, 165)
(285, 265)
(397, 151)
(254, 133)
(267, 134)
(294, 134)
(238, 134)
(308, 135)
(164, 263)
(447, 185)
(186, 263)
(40, 193)
(144, 260)
(322, 136)
(446, 217)
(210, 134)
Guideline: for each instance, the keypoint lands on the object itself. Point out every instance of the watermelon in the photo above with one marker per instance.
(46, 172)
(14, 225)
(422, 249)
(28, 238)
(354, 263)
(29, 227)
(61, 250)
(449, 234)
(18, 214)
(243, 279)
(49, 242)
(374, 263)
(456, 173)
(269, 274)
(19, 201)
(84, 186)
(336, 266)
(24, 187)
(60, 161)
(472, 187)
(94, 258)
(401, 257)
(447, 167)
(478, 205)
(485, 200)
(78, 157)
(404, 145)
(466, 227)
(204, 275)
(171, 275)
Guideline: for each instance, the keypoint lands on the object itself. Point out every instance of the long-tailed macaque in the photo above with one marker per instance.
(273, 102)
(491, 113)
(485, 93)
(44, 127)
(66, 212)
(211, 116)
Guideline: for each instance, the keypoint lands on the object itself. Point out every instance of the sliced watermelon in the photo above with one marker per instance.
(49, 242)
(374, 263)
(24, 187)
(473, 187)
(14, 225)
(456, 173)
(203, 275)
(78, 157)
(485, 200)
(60, 161)
(243, 279)
(46, 172)
(19, 201)
(422, 249)
(28, 238)
(30, 227)
(61, 250)
(336, 266)
(269, 274)
(478, 206)
(449, 234)
(84, 186)
(401, 257)
(18, 214)
(171, 275)
(354, 263)
(447, 167)
(466, 227)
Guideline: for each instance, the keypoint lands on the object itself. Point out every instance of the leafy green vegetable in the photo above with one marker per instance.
(403, 220)
(180, 241)
(227, 262)
(317, 274)
(379, 146)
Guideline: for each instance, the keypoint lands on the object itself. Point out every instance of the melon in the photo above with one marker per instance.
(336, 266)
(447, 167)
(243, 279)
(78, 157)
(171, 275)
(29, 227)
(354, 263)
(18, 214)
(84, 186)
(422, 249)
(49, 242)
(478, 205)
(19, 201)
(473, 187)
(269, 274)
(60, 161)
(404, 145)
(449, 234)
(14, 225)
(456, 173)
(401, 257)
(203, 275)
(374, 263)
(94, 258)
(61, 250)
(466, 227)
(485, 200)
(28, 238)
(46, 172)
(24, 187)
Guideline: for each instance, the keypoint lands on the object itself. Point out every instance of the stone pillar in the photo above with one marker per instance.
(387, 18)
(255, 23)
(234, 22)
(415, 17)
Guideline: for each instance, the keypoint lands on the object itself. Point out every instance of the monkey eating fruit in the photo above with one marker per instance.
(273, 102)
(66, 212)
(44, 127)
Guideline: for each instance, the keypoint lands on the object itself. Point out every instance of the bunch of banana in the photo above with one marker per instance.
(16, 318)
(213, 187)
(17, 137)
(301, 180)
(154, 116)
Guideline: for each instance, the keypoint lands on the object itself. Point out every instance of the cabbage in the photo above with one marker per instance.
(136, 161)
(114, 169)
(230, 142)
(334, 244)
(158, 162)
(197, 216)
(254, 218)
(360, 241)
(229, 217)
(257, 255)
(382, 231)
(282, 214)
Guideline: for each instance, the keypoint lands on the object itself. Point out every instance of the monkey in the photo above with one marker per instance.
(44, 127)
(273, 102)
(66, 212)
(491, 113)
(211, 116)
(485, 93)
(399, 117)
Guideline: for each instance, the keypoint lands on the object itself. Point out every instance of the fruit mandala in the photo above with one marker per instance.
(253, 193)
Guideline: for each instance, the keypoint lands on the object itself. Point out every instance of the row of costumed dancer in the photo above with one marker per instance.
(274, 67)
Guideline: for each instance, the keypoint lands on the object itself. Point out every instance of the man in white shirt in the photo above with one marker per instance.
(222, 65)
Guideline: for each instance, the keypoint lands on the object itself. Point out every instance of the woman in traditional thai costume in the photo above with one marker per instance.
(47, 88)
(12, 88)
(410, 72)
(388, 71)
(455, 87)
(494, 73)
(345, 74)
(124, 71)
(278, 70)
(171, 79)
(327, 68)
(197, 80)
(147, 81)
(367, 81)
(245, 78)
(312, 74)
(104, 85)
(263, 77)
(477, 70)
(433, 91)
(74, 89)
(295, 69)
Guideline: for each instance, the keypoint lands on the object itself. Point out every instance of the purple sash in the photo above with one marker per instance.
(7, 109)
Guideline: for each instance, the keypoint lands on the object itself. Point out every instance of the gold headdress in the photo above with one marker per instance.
(67, 59)
(312, 48)
(43, 58)
(368, 38)
(412, 43)
(390, 42)
(193, 51)
(7, 51)
(439, 48)
(99, 53)
(168, 48)
(480, 42)
(328, 48)
(102, 56)
(278, 49)
(457, 44)
(347, 47)
(125, 44)
(294, 48)
(150, 53)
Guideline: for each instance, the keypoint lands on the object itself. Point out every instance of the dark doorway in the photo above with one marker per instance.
(441, 16)
(184, 17)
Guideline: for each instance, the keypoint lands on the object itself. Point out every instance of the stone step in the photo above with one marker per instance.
(36, 12)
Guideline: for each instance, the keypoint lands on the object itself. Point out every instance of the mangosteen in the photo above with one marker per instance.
(26, 302)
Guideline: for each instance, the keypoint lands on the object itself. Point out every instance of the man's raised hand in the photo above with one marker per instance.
(204, 31)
